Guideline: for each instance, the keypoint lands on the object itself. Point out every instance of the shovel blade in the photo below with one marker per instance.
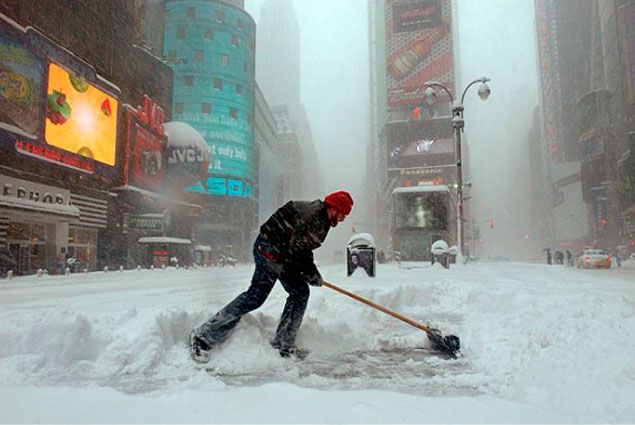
(450, 344)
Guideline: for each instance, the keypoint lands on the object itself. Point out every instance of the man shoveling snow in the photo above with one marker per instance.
(282, 251)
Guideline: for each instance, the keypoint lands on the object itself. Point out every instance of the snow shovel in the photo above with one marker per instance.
(449, 344)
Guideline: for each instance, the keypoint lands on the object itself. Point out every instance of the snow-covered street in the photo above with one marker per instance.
(541, 344)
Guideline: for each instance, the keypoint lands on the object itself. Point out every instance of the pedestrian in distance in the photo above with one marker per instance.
(618, 258)
(283, 251)
(7, 262)
(569, 258)
(548, 255)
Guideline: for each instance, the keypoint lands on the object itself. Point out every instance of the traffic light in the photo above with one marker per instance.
(415, 113)
(491, 223)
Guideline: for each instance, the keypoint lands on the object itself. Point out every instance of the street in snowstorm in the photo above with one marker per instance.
(540, 344)
(317, 211)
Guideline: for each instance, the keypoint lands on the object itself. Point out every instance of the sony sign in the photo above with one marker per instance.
(29, 191)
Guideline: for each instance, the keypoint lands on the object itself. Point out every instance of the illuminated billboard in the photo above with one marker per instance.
(80, 118)
(21, 75)
(145, 140)
(422, 143)
(214, 88)
(418, 48)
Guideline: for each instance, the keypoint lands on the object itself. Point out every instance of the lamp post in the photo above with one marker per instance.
(457, 124)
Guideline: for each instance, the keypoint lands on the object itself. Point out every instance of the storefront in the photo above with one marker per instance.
(58, 153)
(154, 228)
(34, 223)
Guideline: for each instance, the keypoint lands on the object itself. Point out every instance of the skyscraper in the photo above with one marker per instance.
(278, 53)
(278, 75)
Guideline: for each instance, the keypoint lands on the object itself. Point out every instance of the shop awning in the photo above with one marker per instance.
(43, 208)
(165, 239)
(163, 200)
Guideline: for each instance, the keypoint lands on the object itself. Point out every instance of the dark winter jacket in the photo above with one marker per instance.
(294, 231)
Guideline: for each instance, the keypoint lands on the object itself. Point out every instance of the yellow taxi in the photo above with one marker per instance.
(594, 258)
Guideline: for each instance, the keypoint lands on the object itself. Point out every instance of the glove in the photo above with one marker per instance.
(316, 281)
(265, 251)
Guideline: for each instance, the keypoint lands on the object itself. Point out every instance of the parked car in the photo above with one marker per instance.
(593, 258)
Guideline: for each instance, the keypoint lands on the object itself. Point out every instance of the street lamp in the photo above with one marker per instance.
(457, 124)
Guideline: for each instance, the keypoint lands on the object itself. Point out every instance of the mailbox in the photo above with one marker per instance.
(360, 252)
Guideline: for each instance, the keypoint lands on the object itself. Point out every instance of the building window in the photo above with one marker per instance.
(239, 89)
(188, 81)
(198, 55)
(218, 84)
(172, 54)
(180, 33)
(239, 23)
(208, 34)
(178, 108)
(233, 113)
(224, 59)
(206, 108)
(234, 40)
(191, 13)
(219, 15)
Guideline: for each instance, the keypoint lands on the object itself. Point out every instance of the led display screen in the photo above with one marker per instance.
(216, 97)
(80, 118)
(20, 85)
(422, 210)
(418, 48)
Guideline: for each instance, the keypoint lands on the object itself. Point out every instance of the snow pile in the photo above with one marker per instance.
(541, 344)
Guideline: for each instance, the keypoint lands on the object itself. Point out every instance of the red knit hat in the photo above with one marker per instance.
(340, 200)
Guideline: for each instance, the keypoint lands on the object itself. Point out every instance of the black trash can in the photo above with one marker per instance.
(440, 253)
(360, 252)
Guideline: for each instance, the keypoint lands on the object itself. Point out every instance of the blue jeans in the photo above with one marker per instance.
(215, 330)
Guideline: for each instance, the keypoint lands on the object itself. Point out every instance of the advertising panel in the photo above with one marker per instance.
(80, 117)
(422, 143)
(188, 157)
(215, 95)
(418, 48)
(145, 145)
(549, 74)
(21, 75)
(48, 113)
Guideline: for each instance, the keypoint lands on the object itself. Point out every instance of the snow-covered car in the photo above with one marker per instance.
(594, 258)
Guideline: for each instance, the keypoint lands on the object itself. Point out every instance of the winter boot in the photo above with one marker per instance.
(199, 349)
(298, 353)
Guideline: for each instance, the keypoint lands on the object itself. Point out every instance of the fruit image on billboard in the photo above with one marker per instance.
(80, 118)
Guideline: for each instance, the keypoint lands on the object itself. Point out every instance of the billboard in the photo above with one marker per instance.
(418, 48)
(54, 108)
(80, 117)
(546, 23)
(215, 95)
(21, 75)
(188, 157)
(417, 144)
(145, 143)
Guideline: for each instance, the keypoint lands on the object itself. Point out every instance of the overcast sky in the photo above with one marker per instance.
(496, 39)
